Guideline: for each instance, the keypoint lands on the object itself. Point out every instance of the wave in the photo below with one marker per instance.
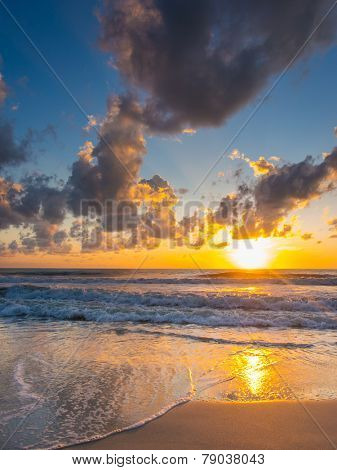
(214, 300)
(206, 339)
(206, 308)
(218, 278)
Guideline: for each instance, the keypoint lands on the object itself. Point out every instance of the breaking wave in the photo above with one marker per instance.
(204, 308)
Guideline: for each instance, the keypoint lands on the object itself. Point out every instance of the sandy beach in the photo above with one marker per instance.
(218, 425)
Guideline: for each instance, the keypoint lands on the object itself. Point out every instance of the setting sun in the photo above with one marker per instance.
(251, 254)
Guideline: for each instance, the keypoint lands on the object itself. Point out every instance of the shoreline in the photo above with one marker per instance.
(287, 424)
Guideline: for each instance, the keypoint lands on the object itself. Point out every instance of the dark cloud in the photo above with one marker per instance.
(291, 187)
(157, 190)
(2, 248)
(9, 192)
(28, 245)
(107, 171)
(194, 63)
(47, 237)
(307, 236)
(200, 61)
(13, 152)
(43, 237)
(13, 247)
(41, 198)
(262, 208)
(35, 198)
(3, 90)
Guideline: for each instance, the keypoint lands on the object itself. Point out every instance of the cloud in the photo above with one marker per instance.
(261, 166)
(9, 192)
(107, 170)
(284, 231)
(156, 189)
(41, 198)
(157, 198)
(290, 187)
(34, 199)
(13, 152)
(333, 224)
(43, 237)
(193, 63)
(189, 131)
(307, 236)
(261, 209)
(13, 247)
(333, 227)
(237, 155)
(48, 237)
(199, 62)
(92, 122)
(182, 191)
(3, 89)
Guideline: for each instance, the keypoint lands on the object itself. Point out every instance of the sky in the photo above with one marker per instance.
(171, 107)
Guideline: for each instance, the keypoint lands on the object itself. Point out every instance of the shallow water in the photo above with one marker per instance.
(139, 345)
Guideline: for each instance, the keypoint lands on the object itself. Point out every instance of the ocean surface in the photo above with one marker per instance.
(85, 353)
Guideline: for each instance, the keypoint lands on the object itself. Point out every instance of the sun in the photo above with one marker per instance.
(251, 254)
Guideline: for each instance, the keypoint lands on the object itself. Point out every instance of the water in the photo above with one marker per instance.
(87, 353)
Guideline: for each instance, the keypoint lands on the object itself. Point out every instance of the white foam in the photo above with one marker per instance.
(25, 389)
(136, 425)
(204, 308)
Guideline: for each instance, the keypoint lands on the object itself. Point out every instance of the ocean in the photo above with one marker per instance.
(86, 353)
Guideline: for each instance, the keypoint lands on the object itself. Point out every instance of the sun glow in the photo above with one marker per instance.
(254, 368)
(251, 254)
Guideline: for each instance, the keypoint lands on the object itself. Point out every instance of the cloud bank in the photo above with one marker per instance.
(199, 62)
(186, 64)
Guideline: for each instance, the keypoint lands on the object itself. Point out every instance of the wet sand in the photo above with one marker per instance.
(218, 425)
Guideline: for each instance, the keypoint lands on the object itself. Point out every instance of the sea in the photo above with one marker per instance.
(89, 353)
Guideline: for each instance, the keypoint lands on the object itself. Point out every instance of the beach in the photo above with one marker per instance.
(93, 352)
(217, 425)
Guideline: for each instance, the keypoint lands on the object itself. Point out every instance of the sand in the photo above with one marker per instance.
(218, 425)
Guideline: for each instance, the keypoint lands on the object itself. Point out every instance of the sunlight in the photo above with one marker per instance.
(251, 254)
(254, 372)
(253, 367)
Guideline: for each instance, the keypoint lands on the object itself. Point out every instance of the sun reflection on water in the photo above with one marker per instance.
(255, 377)
(254, 368)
